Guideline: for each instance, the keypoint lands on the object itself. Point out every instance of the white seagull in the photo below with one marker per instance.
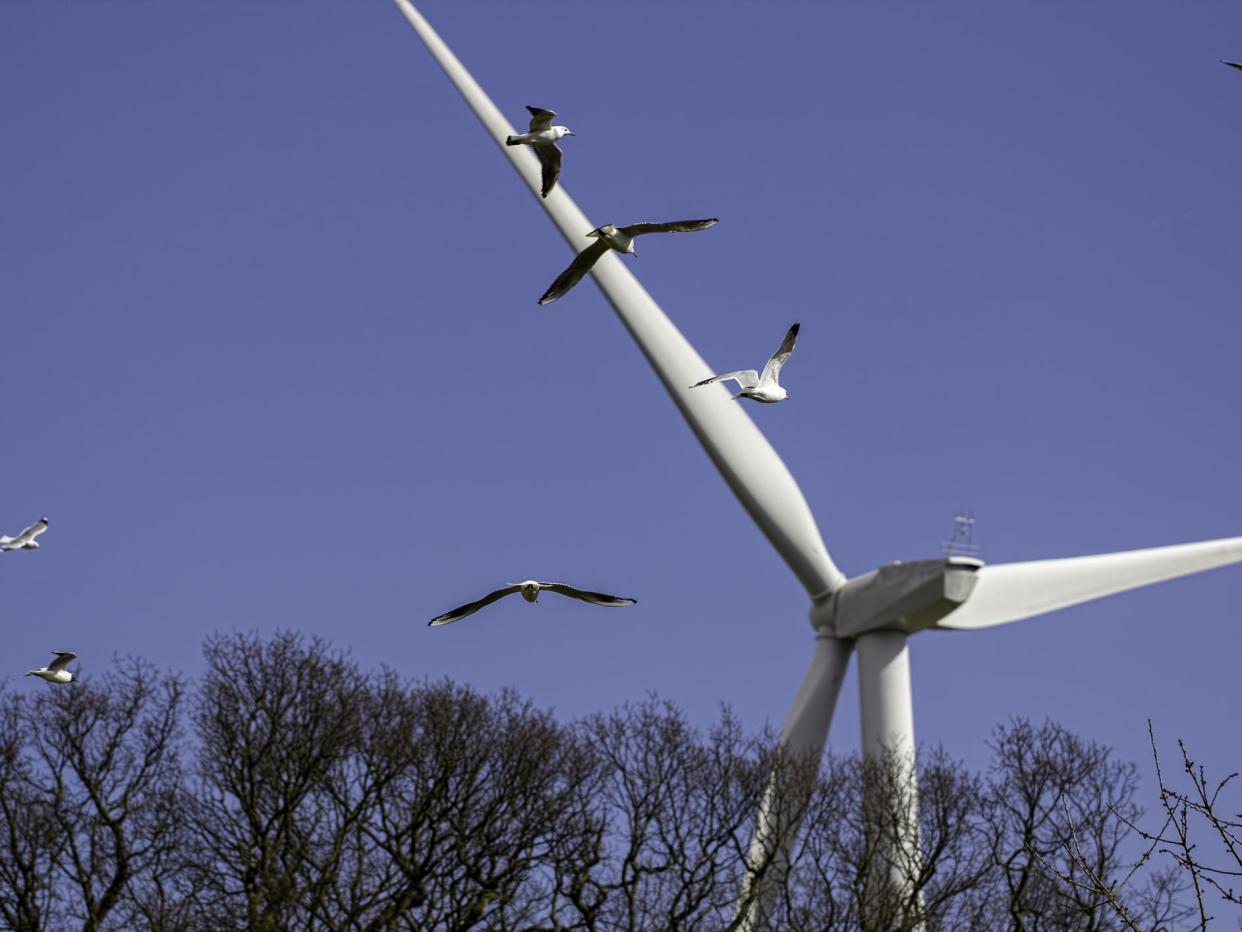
(530, 592)
(26, 539)
(55, 671)
(622, 240)
(542, 138)
(765, 387)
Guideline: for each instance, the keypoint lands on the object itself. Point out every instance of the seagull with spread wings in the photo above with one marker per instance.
(530, 590)
(763, 387)
(55, 671)
(542, 138)
(26, 539)
(622, 240)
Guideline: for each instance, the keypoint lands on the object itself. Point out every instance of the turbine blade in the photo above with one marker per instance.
(804, 733)
(806, 724)
(1013, 591)
(752, 469)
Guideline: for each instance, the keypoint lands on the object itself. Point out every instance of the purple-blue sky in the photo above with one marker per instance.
(272, 354)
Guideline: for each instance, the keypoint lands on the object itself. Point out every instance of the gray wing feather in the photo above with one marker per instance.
(471, 607)
(772, 371)
(63, 659)
(540, 119)
(550, 162)
(571, 276)
(746, 378)
(671, 226)
(595, 598)
(30, 533)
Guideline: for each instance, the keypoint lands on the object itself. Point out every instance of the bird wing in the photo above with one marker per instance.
(471, 607)
(745, 378)
(595, 598)
(772, 371)
(540, 119)
(30, 533)
(671, 226)
(1232, 64)
(63, 659)
(571, 276)
(550, 162)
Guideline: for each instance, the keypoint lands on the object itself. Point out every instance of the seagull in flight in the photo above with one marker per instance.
(542, 138)
(763, 387)
(55, 671)
(530, 592)
(622, 240)
(1232, 64)
(26, 539)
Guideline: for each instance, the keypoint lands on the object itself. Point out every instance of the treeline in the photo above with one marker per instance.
(290, 789)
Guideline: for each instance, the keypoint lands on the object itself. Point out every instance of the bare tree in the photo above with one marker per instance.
(1202, 833)
(663, 841)
(1202, 848)
(30, 842)
(473, 796)
(1064, 832)
(326, 797)
(105, 768)
(332, 799)
(272, 720)
(848, 872)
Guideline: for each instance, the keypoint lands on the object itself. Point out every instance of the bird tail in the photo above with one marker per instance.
(511, 141)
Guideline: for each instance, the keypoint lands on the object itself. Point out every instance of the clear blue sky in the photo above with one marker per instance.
(272, 354)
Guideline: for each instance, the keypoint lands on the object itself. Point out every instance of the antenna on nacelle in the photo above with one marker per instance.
(962, 541)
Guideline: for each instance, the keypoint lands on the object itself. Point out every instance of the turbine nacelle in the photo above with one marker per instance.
(906, 597)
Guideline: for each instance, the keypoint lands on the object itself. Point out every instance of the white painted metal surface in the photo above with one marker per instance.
(1008, 592)
(887, 706)
(806, 724)
(884, 693)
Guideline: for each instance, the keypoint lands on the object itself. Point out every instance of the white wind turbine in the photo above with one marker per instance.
(874, 613)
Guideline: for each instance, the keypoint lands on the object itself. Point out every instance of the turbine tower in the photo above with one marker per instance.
(875, 613)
